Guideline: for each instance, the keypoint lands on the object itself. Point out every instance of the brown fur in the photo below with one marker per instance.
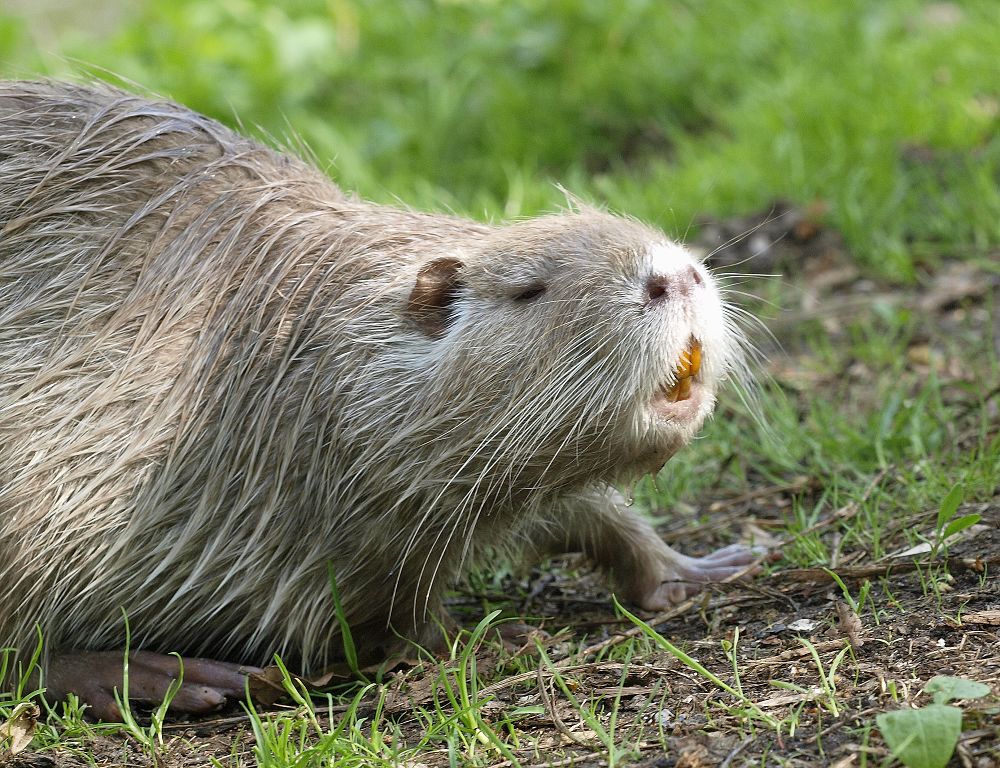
(219, 375)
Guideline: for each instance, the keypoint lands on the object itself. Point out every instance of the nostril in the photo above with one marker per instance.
(658, 288)
(663, 287)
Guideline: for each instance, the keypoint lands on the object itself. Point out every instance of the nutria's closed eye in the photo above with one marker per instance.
(530, 293)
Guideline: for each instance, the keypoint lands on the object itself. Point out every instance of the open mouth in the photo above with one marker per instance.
(686, 369)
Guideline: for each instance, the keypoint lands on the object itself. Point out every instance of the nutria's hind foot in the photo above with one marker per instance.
(95, 675)
(683, 576)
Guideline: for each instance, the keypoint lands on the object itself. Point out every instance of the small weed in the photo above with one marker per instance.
(614, 752)
(926, 737)
(824, 695)
(151, 736)
(935, 580)
(459, 681)
(347, 639)
(855, 604)
(864, 597)
(311, 736)
(24, 676)
(827, 678)
(947, 524)
(751, 710)
(729, 648)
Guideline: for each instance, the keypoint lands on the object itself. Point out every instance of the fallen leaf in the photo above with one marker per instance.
(850, 624)
(788, 698)
(266, 687)
(991, 618)
(844, 762)
(803, 625)
(919, 549)
(17, 732)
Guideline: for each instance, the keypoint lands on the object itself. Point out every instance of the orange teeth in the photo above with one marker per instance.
(687, 368)
(690, 362)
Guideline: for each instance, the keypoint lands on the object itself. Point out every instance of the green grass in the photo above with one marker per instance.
(662, 109)
(665, 110)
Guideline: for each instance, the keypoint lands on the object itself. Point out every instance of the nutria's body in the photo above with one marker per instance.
(220, 375)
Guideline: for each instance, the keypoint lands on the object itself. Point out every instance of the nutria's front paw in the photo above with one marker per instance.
(679, 577)
(95, 675)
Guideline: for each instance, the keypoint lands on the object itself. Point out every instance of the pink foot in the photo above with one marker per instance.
(681, 576)
(94, 675)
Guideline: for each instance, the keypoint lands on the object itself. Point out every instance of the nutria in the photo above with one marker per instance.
(222, 378)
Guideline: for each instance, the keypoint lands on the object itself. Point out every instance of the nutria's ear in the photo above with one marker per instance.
(433, 294)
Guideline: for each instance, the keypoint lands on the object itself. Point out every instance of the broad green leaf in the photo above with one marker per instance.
(947, 688)
(960, 524)
(922, 738)
(950, 505)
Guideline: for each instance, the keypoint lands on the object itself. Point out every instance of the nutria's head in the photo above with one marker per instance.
(563, 349)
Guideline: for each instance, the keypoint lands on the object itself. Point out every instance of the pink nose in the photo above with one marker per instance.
(663, 287)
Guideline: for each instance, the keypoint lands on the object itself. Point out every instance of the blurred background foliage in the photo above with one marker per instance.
(666, 109)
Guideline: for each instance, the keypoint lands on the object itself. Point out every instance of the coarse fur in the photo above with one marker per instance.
(219, 377)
